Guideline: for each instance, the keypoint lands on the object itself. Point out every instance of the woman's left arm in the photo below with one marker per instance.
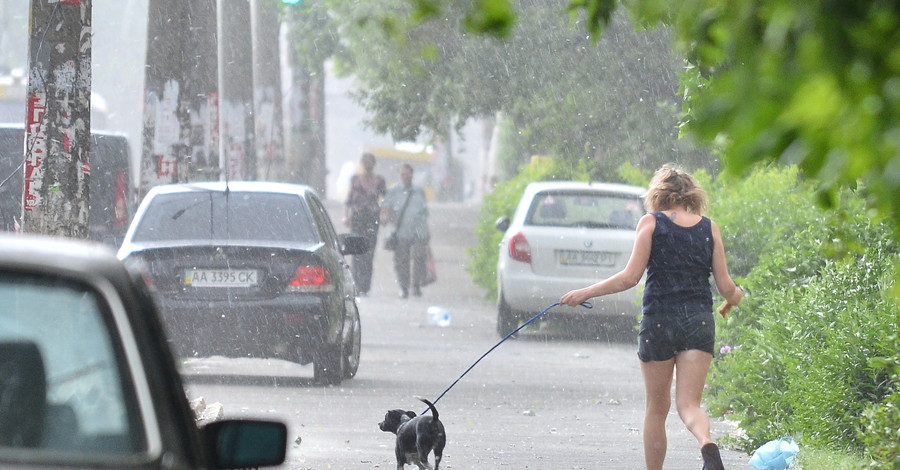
(724, 283)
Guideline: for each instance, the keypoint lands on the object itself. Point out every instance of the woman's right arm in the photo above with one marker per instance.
(625, 279)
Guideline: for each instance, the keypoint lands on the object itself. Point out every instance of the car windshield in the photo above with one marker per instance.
(235, 215)
(61, 374)
(589, 209)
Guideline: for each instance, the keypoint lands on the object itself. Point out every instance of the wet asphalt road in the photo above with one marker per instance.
(545, 400)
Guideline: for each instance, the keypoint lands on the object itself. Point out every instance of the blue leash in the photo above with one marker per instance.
(510, 335)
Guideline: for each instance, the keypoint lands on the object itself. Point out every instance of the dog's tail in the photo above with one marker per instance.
(434, 412)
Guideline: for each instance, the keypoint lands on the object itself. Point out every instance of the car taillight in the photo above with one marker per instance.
(310, 279)
(519, 249)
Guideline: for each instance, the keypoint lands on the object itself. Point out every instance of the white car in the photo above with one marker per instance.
(566, 235)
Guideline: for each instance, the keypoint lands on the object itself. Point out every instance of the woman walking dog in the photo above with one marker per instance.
(679, 248)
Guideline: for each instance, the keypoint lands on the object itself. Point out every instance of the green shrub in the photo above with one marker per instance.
(802, 341)
(760, 212)
(881, 421)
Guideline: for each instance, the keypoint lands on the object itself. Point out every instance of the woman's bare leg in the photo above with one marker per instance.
(691, 369)
(658, 389)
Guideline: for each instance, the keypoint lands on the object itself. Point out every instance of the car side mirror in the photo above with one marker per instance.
(352, 244)
(502, 224)
(246, 443)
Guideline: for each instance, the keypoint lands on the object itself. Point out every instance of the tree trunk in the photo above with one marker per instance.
(58, 121)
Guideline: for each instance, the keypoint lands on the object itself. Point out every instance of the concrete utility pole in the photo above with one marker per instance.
(58, 120)
(313, 127)
(304, 114)
(181, 108)
(237, 126)
(267, 91)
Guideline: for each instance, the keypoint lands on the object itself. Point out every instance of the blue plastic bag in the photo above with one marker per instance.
(777, 454)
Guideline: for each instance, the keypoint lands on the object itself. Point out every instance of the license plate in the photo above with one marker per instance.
(221, 277)
(586, 258)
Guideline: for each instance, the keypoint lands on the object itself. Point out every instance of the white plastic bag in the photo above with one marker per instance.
(776, 454)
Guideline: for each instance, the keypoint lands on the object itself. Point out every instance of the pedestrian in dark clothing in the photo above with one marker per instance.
(678, 248)
(361, 213)
(406, 207)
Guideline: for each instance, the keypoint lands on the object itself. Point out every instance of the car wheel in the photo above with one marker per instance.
(328, 363)
(352, 343)
(507, 319)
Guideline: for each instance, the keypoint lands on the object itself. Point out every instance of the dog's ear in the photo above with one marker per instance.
(411, 414)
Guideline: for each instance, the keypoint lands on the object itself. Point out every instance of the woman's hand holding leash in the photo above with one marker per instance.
(575, 298)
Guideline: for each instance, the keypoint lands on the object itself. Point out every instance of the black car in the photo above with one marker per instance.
(87, 379)
(250, 269)
(109, 189)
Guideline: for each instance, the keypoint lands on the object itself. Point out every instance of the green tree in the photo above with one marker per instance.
(813, 83)
(819, 87)
(563, 95)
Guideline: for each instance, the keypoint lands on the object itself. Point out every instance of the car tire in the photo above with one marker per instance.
(352, 343)
(507, 318)
(328, 364)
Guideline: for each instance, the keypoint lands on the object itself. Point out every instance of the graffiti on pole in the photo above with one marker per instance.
(165, 131)
(55, 189)
(37, 142)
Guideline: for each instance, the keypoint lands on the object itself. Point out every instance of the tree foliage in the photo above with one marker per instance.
(420, 67)
(813, 83)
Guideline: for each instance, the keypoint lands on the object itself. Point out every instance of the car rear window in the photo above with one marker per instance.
(590, 209)
(204, 215)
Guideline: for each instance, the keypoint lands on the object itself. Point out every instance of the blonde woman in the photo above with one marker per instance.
(678, 248)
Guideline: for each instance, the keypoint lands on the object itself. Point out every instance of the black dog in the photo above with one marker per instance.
(416, 436)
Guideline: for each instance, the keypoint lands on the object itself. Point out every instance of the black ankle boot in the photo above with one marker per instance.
(711, 458)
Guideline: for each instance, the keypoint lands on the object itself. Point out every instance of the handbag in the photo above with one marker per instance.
(390, 243)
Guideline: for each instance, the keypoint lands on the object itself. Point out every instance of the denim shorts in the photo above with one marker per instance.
(664, 335)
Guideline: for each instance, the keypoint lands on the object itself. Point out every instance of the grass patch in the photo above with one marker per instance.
(817, 459)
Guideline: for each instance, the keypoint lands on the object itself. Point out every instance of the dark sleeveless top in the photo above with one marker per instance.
(679, 268)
